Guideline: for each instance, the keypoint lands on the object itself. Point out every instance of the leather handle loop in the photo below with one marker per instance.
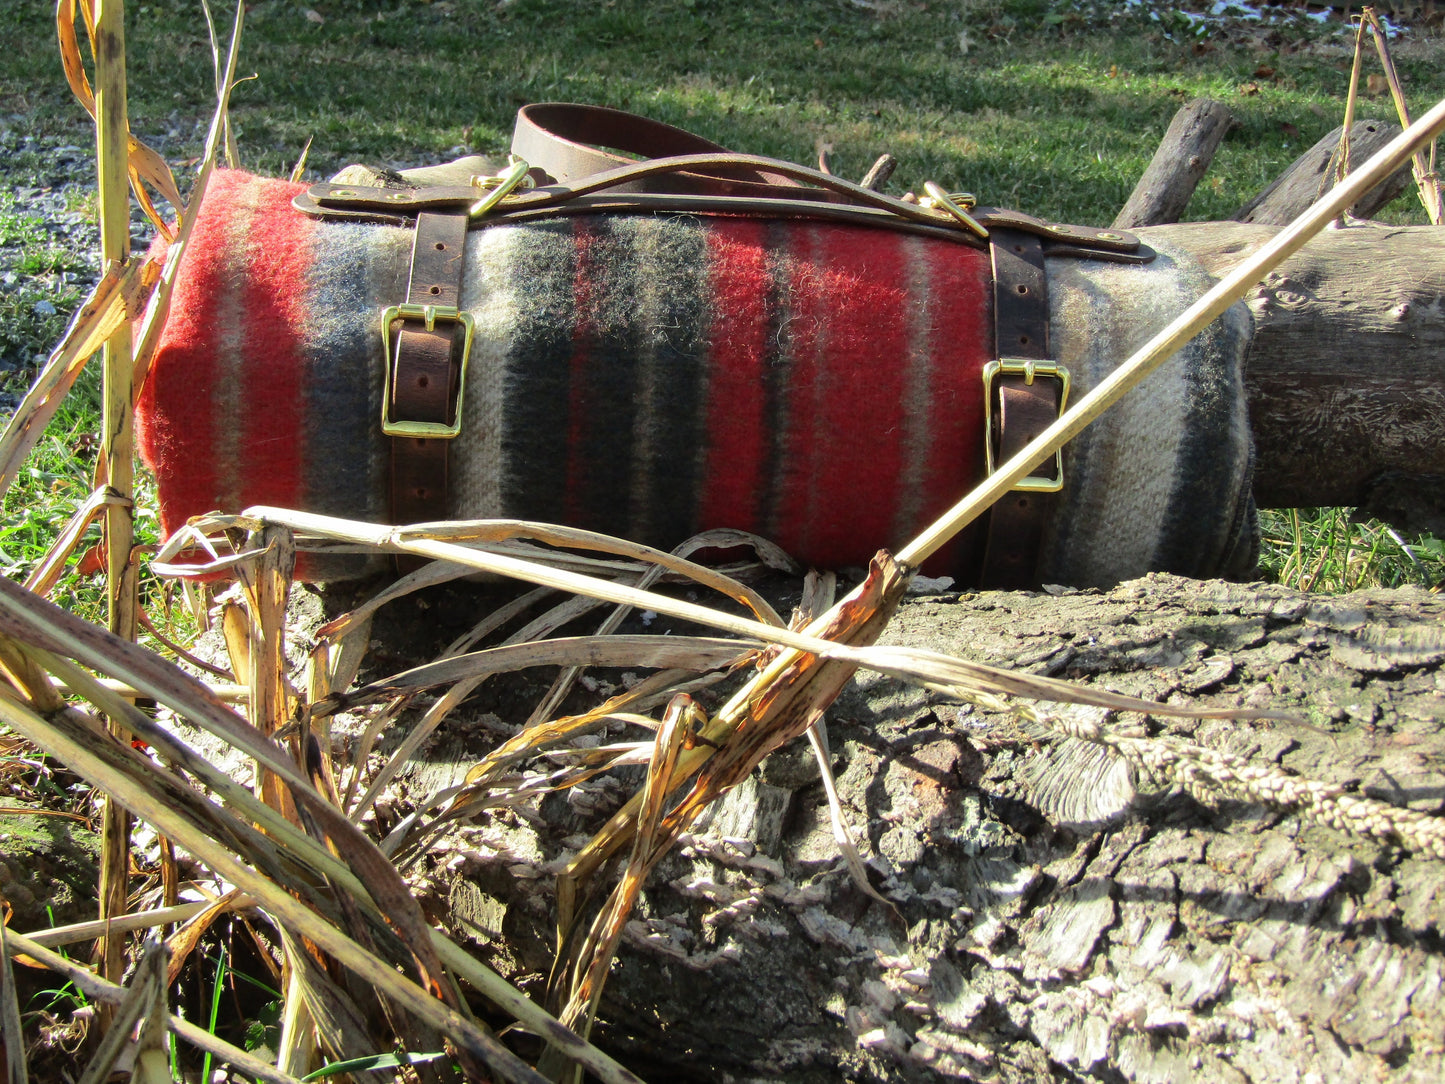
(569, 142)
(697, 173)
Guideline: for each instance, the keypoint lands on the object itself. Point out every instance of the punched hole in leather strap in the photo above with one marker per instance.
(1020, 409)
(427, 340)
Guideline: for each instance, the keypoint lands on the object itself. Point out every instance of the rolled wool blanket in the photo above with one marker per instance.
(651, 376)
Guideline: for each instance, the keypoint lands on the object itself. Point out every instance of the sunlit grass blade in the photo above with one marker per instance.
(369, 1063)
(1427, 181)
(676, 652)
(47, 573)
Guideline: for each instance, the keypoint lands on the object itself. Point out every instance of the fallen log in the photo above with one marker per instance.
(1346, 369)
(1181, 941)
(1311, 175)
(1178, 165)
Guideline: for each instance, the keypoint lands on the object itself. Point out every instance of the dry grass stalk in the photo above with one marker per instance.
(11, 1031)
(141, 164)
(138, 920)
(230, 843)
(47, 573)
(117, 426)
(260, 657)
(144, 1000)
(153, 321)
(98, 989)
(1342, 153)
(1427, 181)
(1211, 774)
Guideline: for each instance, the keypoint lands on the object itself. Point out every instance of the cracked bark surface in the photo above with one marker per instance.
(1172, 942)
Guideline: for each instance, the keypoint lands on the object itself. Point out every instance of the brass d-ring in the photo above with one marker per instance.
(498, 187)
(942, 199)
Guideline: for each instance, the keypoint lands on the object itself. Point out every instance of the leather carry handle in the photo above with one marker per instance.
(327, 198)
(567, 141)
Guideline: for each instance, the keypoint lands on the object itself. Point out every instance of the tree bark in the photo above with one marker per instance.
(1175, 171)
(1179, 942)
(1311, 175)
(1346, 370)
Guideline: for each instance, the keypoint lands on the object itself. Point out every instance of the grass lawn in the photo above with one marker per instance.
(1051, 107)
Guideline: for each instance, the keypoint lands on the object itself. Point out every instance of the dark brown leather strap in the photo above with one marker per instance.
(426, 363)
(1020, 408)
(567, 143)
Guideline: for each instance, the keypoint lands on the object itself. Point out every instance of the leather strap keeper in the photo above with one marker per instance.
(428, 341)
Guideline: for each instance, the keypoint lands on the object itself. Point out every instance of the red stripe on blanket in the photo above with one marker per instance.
(275, 316)
(858, 452)
(736, 441)
(963, 337)
(175, 423)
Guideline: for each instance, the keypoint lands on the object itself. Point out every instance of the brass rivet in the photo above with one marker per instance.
(1106, 236)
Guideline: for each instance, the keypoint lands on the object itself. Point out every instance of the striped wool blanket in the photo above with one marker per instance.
(655, 375)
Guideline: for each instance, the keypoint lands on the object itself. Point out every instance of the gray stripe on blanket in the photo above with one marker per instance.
(1156, 482)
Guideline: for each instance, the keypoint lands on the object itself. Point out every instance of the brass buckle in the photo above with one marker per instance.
(1028, 368)
(429, 315)
(953, 204)
(499, 187)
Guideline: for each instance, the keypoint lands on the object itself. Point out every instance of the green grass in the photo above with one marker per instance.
(1324, 550)
(54, 482)
(1052, 107)
(1019, 102)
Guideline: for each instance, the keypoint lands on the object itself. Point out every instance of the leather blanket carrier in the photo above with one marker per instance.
(684, 338)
